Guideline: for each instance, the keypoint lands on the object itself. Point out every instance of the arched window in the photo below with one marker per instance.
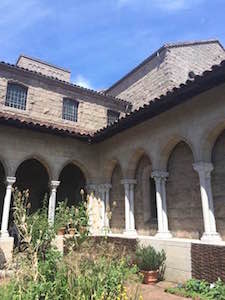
(70, 109)
(16, 96)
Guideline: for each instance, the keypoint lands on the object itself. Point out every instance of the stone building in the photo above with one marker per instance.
(150, 148)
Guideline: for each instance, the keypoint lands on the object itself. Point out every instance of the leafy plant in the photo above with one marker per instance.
(62, 215)
(148, 259)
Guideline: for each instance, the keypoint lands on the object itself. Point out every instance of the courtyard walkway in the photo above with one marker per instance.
(156, 292)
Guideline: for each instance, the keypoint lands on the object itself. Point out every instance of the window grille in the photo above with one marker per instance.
(112, 116)
(70, 110)
(16, 96)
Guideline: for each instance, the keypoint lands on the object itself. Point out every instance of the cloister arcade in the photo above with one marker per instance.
(178, 192)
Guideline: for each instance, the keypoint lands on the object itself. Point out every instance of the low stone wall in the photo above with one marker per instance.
(6, 250)
(208, 262)
(178, 257)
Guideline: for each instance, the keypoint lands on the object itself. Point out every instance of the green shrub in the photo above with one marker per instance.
(148, 259)
(89, 272)
(200, 290)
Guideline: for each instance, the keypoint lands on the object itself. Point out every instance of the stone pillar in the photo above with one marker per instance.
(129, 206)
(107, 188)
(91, 190)
(7, 200)
(52, 201)
(103, 209)
(160, 183)
(204, 171)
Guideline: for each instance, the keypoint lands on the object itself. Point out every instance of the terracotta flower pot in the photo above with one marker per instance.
(72, 231)
(150, 277)
(61, 231)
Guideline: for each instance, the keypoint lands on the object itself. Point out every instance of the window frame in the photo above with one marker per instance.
(20, 104)
(110, 111)
(68, 115)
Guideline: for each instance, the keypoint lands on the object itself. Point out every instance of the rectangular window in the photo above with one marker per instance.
(112, 116)
(70, 110)
(16, 96)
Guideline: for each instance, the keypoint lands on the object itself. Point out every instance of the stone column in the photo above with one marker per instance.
(91, 190)
(160, 183)
(129, 206)
(103, 209)
(52, 201)
(7, 200)
(204, 171)
(107, 188)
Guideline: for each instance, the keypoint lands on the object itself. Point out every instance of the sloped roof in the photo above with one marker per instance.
(201, 83)
(66, 84)
(157, 52)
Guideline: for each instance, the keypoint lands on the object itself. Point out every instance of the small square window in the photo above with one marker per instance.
(16, 96)
(70, 110)
(112, 116)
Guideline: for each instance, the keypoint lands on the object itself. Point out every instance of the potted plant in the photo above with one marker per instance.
(62, 217)
(150, 263)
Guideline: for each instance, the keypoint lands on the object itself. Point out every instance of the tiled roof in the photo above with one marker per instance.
(80, 88)
(176, 96)
(157, 52)
(183, 93)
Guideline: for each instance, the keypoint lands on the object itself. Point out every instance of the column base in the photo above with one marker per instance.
(163, 235)
(4, 234)
(130, 232)
(211, 237)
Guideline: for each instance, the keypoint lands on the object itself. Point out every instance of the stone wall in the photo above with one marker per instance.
(218, 183)
(117, 204)
(45, 102)
(167, 69)
(145, 225)
(183, 195)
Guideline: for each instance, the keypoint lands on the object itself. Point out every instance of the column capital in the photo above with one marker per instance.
(128, 181)
(159, 174)
(10, 180)
(203, 167)
(92, 187)
(105, 186)
(54, 183)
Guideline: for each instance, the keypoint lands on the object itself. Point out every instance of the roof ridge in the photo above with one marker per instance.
(157, 52)
(42, 62)
(98, 93)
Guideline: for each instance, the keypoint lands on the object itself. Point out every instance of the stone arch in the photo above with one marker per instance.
(168, 148)
(183, 194)
(81, 166)
(40, 159)
(72, 181)
(2, 187)
(145, 200)
(108, 169)
(32, 175)
(218, 182)
(209, 139)
(117, 202)
(133, 162)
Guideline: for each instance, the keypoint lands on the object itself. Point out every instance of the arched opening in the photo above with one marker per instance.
(145, 198)
(2, 188)
(32, 175)
(218, 182)
(72, 180)
(117, 202)
(183, 194)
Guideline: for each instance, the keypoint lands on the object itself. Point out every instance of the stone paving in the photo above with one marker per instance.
(156, 292)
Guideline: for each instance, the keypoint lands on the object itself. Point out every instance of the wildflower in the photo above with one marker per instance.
(82, 192)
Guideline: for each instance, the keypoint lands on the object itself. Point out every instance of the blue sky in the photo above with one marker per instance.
(101, 40)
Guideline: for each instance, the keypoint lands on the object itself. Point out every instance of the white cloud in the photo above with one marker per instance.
(82, 81)
(176, 5)
(166, 5)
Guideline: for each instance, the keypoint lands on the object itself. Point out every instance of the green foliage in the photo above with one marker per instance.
(201, 290)
(148, 259)
(62, 215)
(87, 272)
